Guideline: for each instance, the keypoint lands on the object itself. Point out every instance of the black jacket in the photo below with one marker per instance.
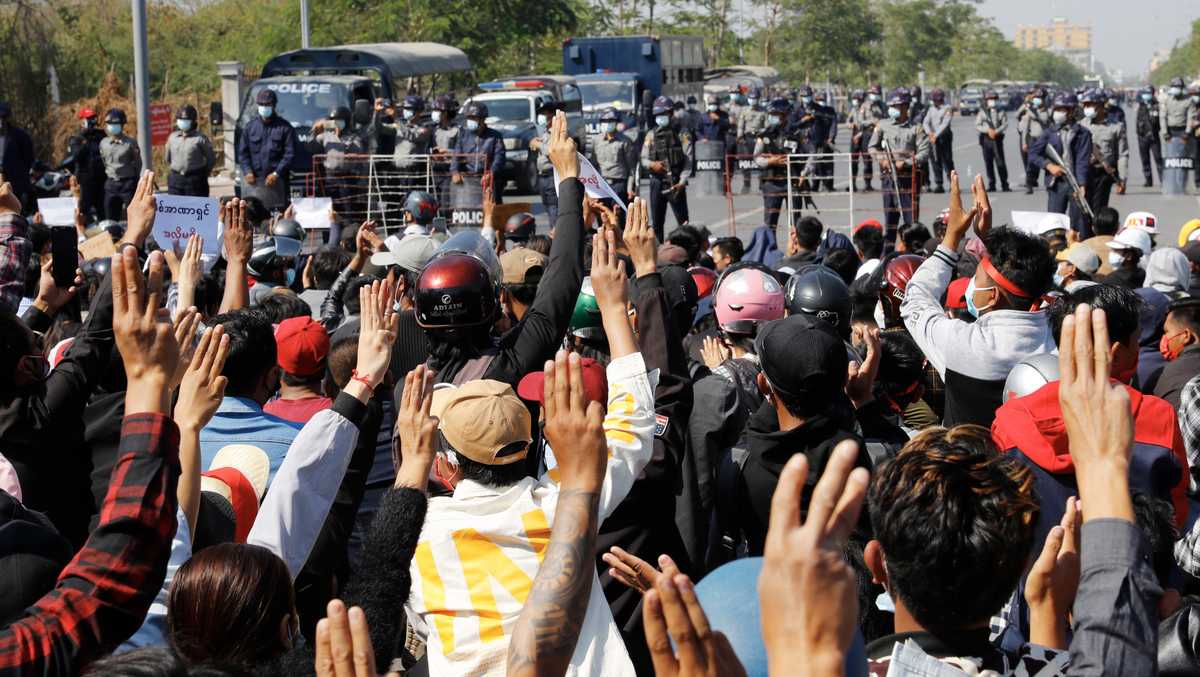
(1129, 278)
(83, 155)
(1176, 374)
(794, 263)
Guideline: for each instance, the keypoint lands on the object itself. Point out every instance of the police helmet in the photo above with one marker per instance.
(875, 89)
(662, 105)
(519, 227)
(937, 95)
(445, 104)
(898, 97)
(115, 116)
(691, 98)
(476, 110)
(779, 105)
(818, 291)
(414, 102)
(819, 96)
(186, 112)
(1148, 89)
(340, 113)
(610, 114)
(266, 97)
(422, 206)
(1030, 374)
(1066, 100)
(1091, 96)
(455, 290)
(1177, 82)
(858, 94)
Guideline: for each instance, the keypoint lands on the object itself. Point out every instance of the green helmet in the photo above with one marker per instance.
(585, 319)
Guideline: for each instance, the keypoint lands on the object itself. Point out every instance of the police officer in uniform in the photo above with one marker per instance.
(380, 135)
(941, 138)
(1177, 113)
(479, 149)
(541, 145)
(265, 152)
(189, 156)
(908, 146)
(333, 138)
(1194, 132)
(122, 165)
(1147, 128)
(666, 160)
(445, 138)
(1074, 144)
(84, 161)
(715, 124)
(414, 137)
(1115, 112)
(992, 123)
(1032, 119)
(692, 117)
(17, 159)
(751, 122)
(869, 115)
(771, 151)
(1110, 150)
(852, 119)
(814, 122)
(612, 153)
(916, 112)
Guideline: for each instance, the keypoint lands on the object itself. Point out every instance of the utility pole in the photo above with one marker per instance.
(304, 24)
(141, 79)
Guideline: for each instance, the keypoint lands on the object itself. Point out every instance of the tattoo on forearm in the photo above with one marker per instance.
(549, 626)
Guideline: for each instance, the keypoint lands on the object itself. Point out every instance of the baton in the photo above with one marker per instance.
(895, 176)
(1058, 160)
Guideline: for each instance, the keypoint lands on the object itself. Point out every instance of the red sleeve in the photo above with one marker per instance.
(103, 594)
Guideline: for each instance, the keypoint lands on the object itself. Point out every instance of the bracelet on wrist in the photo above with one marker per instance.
(355, 376)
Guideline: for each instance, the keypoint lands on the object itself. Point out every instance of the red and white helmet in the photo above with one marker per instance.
(745, 297)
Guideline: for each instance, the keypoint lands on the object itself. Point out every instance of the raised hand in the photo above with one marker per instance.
(958, 221)
(415, 437)
(714, 352)
(238, 235)
(563, 154)
(574, 428)
(344, 643)
(982, 207)
(185, 324)
(203, 386)
(636, 572)
(376, 334)
(365, 241)
(50, 296)
(639, 239)
(1054, 579)
(148, 347)
(9, 203)
(860, 378)
(671, 612)
(611, 287)
(139, 215)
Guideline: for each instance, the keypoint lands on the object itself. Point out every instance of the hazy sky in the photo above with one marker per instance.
(1125, 33)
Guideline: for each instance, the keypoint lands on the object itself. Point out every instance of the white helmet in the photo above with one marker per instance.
(1030, 374)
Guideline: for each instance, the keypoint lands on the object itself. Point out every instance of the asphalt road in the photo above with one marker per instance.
(744, 212)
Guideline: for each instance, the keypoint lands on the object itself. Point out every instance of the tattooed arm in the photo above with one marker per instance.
(549, 626)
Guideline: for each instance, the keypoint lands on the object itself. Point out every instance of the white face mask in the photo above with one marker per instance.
(991, 103)
(713, 108)
(610, 127)
(1089, 112)
(1037, 102)
(472, 125)
(184, 125)
(873, 97)
(541, 120)
(1146, 98)
(893, 112)
(1196, 98)
(409, 113)
(1059, 116)
(113, 130)
(773, 122)
(436, 116)
(1116, 259)
(806, 99)
(1174, 91)
(265, 111)
(662, 120)
(752, 102)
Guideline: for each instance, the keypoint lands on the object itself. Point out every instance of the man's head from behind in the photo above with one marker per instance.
(1106, 222)
(1016, 272)
(954, 523)
(1122, 312)
(487, 428)
(800, 383)
(302, 346)
(250, 364)
(807, 233)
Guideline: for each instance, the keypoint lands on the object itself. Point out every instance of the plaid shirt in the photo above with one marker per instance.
(1187, 548)
(103, 594)
(14, 259)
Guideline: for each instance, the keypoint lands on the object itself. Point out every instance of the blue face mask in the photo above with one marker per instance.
(265, 111)
(1037, 102)
(113, 130)
(893, 112)
(1146, 98)
(184, 125)
(291, 276)
(473, 125)
(773, 122)
(971, 307)
(662, 120)
(1058, 279)
(806, 99)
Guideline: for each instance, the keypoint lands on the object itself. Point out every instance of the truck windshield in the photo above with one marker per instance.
(301, 103)
(599, 95)
(508, 110)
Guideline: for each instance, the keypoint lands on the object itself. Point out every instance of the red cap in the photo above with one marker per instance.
(869, 223)
(595, 383)
(85, 113)
(956, 293)
(301, 345)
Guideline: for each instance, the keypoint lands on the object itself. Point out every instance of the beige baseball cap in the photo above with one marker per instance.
(483, 420)
(519, 266)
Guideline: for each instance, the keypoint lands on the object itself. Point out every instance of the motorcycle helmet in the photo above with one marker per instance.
(1030, 374)
(746, 297)
(818, 291)
(422, 206)
(455, 290)
(896, 275)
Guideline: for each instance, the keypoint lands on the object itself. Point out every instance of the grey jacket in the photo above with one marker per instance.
(1110, 145)
(938, 119)
(991, 118)
(615, 159)
(121, 156)
(906, 140)
(189, 152)
(1176, 111)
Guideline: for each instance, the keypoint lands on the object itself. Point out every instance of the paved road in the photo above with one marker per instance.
(714, 210)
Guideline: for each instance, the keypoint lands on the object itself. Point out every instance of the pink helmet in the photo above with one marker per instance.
(746, 297)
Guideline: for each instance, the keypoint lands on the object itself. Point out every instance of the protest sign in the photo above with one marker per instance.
(98, 246)
(312, 212)
(593, 183)
(57, 211)
(179, 217)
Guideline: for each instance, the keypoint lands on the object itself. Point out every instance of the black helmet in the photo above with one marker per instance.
(186, 112)
(1066, 100)
(610, 114)
(476, 110)
(455, 290)
(115, 116)
(779, 105)
(898, 97)
(446, 104)
(1091, 96)
(818, 291)
(289, 236)
(1177, 82)
(805, 90)
(519, 227)
(340, 113)
(422, 206)
(415, 102)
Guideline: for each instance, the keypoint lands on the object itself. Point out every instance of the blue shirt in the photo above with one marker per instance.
(241, 421)
(266, 146)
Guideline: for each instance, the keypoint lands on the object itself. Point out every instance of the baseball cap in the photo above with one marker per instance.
(1142, 221)
(816, 370)
(1081, 256)
(483, 420)
(1192, 251)
(238, 474)
(410, 253)
(301, 346)
(868, 223)
(1052, 221)
(1131, 238)
(595, 383)
(956, 294)
(522, 266)
(671, 254)
(1190, 232)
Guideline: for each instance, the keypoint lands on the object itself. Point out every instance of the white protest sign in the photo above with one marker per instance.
(593, 183)
(1037, 223)
(57, 211)
(312, 212)
(179, 217)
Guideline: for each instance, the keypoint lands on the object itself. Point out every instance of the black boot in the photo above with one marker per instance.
(867, 188)
(1005, 189)
(1149, 183)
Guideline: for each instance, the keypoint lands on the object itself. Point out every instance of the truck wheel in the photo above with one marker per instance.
(527, 178)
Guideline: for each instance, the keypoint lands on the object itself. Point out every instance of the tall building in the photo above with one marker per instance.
(1062, 38)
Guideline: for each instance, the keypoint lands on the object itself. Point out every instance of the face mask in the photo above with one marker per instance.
(1146, 98)
(183, 125)
(1116, 259)
(691, 106)
(291, 276)
(773, 122)
(856, 102)
(436, 115)
(542, 121)
(806, 99)
(610, 127)
(1089, 112)
(991, 103)
(1195, 98)
(473, 125)
(662, 120)
(1059, 116)
(265, 111)
(1058, 279)
(873, 97)
(752, 102)
(1164, 346)
(1174, 91)
(340, 124)
(713, 108)
(1037, 102)
(113, 130)
(971, 307)
(893, 112)
(409, 113)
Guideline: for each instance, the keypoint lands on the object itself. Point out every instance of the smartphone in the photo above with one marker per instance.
(64, 248)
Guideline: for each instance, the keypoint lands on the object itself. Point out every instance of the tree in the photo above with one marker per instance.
(1183, 62)
(848, 30)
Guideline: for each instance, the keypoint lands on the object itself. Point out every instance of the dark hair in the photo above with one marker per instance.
(523, 293)
(256, 211)
(343, 355)
(902, 363)
(869, 241)
(914, 236)
(956, 522)
(490, 475)
(967, 264)
(327, 264)
(350, 298)
(150, 661)
(1024, 259)
(62, 329)
(731, 247)
(16, 341)
(808, 232)
(1106, 222)
(1122, 310)
(313, 381)
(283, 304)
(540, 244)
(864, 296)
(226, 604)
(691, 239)
(1155, 518)
(251, 349)
(843, 262)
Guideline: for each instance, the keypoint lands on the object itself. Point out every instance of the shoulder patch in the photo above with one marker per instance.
(660, 425)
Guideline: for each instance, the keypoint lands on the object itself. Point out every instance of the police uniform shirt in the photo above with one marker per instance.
(777, 141)
(445, 138)
(991, 118)
(870, 113)
(1110, 144)
(937, 119)
(664, 144)
(751, 122)
(1177, 111)
(906, 141)
(544, 166)
(189, 152)
(122, 159)
(336, 147)
(1031, 126)
(613, 158)
(412, 139)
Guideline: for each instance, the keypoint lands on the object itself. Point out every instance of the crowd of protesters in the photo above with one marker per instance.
(964, 448)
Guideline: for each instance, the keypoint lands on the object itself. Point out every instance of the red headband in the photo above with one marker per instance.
(1001, 281)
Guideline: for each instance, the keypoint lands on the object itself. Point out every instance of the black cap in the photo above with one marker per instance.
(679, 287)
(802, 357)
(266, 97)
(186, 112)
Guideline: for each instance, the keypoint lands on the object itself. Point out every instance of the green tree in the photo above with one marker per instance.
(848, 30)
(1183, 62)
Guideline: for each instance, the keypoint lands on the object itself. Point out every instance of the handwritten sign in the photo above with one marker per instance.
(160, 123)
(593, 183)
(98, 246)
(57, 211)
(312, 212)
(179, 217)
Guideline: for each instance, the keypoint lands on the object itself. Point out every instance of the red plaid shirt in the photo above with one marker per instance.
(14, 259)
(103, 594)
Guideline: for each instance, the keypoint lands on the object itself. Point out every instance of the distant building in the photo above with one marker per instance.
(1160, 57)
(1061, 37)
